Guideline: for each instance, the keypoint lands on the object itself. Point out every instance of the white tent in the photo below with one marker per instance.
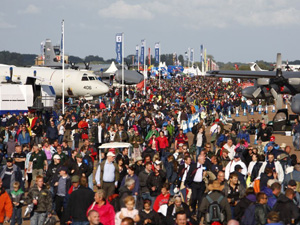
(112, 68)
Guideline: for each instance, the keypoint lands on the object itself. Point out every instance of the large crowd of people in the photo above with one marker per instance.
(52, 169)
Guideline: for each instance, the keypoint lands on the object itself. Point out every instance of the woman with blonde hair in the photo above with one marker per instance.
(103, 207)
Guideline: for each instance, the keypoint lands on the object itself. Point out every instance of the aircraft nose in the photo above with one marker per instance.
(101, 88)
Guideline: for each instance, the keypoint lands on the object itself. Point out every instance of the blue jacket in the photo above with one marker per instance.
(23, 140)
(52, 133)
(221, 139)
(244, 135)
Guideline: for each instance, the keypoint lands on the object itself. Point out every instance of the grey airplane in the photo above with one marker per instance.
(268, 84)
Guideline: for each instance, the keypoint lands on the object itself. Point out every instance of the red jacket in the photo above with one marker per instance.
(6, 208)
(162, 142)
(160, 200)
(106, 213)
(156, 143)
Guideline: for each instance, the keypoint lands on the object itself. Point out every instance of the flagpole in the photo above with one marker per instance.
(123, 66)
(144, 67)
(63, 66)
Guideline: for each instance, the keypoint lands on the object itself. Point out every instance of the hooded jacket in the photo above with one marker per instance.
(287, 209)
(6, 208)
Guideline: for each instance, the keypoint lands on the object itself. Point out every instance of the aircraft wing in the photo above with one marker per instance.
(241, 74)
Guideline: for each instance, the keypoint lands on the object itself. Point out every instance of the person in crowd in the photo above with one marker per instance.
(155, 181)
(37, 162)
(17, 196)
(79, 202)
(107, 174)
(62, 184)
(242, 205)
(41, 198)
(288, 211)
(6, 207)
(10, 173)
(234, 192)
(275, 166)
(128, 211)
(103, 207)
(143, 177)
(148, 215)
(216, 194)
(94, 218)
(261, 209)
(195, 181)
(52, 132)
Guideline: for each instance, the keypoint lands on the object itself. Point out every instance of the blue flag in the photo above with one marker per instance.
(119, 47)
(201, 53)
(137, 54)
(143, 45)
(157, 46)
(62, 41)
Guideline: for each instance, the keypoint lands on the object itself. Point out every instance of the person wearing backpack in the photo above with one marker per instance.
(215, 207)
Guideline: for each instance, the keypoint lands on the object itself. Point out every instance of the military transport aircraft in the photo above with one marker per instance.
(268, 84)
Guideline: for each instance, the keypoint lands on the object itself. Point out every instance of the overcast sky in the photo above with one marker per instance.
(230, 30)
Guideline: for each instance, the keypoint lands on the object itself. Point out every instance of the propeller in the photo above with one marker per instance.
(73, 65)
(287, 67)
(87, 65)
(272, 84)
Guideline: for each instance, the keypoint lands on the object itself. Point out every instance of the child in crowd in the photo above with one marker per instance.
(129, 211)
(18, 200)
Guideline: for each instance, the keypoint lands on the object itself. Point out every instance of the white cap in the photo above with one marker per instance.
(110, 154)
(56, 157)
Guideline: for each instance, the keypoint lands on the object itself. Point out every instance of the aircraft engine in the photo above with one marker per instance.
(248, 93)
(296, 104)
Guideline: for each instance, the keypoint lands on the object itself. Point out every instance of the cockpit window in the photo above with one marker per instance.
(91, 78)
(280, 117)
(84, 78)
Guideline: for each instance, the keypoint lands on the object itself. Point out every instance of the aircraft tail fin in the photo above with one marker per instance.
(236, 67)
(255, 67)
(50, 58)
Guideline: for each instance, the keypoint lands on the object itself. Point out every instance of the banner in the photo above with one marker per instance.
(149, 56)
(62, 41)
(119, 47)
(143, 45)
(192, 55)
(201, 53)
(137, 54)
(157, 46)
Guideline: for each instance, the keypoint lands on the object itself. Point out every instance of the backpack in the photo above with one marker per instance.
(249, 215)
(214, 213)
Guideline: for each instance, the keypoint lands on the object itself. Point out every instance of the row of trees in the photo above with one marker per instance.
(13, 58)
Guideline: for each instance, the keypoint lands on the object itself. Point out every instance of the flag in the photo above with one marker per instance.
(149, 56)
(192, 55)
(42, 50)
(140, 85)
(143, 45)
(119, 47)
(157, 46)
(201, 53)
(137, 54)
(62, 41)
(186, 56)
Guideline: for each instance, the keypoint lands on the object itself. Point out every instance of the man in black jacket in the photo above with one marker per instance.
(195, 181)
(156, 180)
(79, 202)
(287, 209)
